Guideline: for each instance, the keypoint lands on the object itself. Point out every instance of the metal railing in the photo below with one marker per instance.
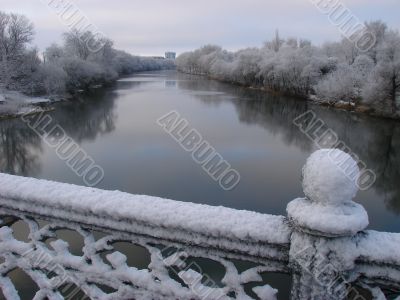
(322, 245)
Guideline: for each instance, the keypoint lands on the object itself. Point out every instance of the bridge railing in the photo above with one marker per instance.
(322, 243)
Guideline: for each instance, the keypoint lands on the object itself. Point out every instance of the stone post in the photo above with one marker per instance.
(325, 222)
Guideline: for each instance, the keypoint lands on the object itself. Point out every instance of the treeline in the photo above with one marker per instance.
(331, 73)
(83, 60)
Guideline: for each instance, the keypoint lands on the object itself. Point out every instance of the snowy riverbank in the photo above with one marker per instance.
(14, 104)
(349, 105)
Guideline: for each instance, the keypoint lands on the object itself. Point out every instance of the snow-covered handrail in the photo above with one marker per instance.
(219, 227)
(325, 227)
(329, 239)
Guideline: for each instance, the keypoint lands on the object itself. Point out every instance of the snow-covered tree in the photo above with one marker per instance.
(16, 32)
(51, 79)
(332, 72)
(362, 66)
(275, 44)
(338, 85)
(53, 54)
(386, 73)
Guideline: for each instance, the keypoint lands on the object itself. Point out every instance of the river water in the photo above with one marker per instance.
(252, 130)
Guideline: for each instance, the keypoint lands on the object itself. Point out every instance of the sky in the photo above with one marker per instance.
(152, 27)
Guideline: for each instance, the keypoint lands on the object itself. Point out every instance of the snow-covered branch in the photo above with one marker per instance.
(334, 72)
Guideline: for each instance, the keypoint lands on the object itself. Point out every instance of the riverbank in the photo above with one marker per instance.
(14, 104)
(348, 105)
(252, 130)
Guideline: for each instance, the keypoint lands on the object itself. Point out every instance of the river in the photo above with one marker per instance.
(252, 130)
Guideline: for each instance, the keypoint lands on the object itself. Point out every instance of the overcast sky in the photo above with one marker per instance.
(150, 27)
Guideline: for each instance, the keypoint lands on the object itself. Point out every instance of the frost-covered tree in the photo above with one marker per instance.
(292, 42)
(247, 66)
(332, 72)
(53, 54)
(338, 85)
(75, 43)
(378, 30)
(362, 67)
(16, 32)
(51, 79)
(275, 44)
(84, 60)
(386, 73)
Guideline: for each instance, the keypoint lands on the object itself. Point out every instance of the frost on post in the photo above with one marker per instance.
(328, 207)
(324, 223)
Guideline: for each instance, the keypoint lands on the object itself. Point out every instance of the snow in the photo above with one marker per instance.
(368, 254)
(329, 220)
(116, 207)
(17, 97)
(16, 103)
(38, 258)
(319, 229)
(286, 65)
(380, 247)
(329, 183)
(329, 176)
(265, 292)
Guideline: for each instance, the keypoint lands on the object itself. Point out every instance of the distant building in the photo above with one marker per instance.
(170, 55)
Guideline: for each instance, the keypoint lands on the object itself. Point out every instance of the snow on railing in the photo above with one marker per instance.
(322, 242)
(219, 227)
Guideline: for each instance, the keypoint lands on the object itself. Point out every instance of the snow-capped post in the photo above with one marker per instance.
(325, 223)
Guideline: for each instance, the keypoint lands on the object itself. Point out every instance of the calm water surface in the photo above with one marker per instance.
(252, 130)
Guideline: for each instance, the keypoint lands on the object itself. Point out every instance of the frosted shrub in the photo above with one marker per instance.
(337, 86)
(375, 90)
(51, 78)
(334, 72)
(66, 68)
(81, 73)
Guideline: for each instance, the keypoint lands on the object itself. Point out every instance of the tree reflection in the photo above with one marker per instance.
(87, 117)
(375, 140)
(19, 148)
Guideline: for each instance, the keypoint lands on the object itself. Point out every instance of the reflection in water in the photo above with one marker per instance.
(19, 149)
(136, 154)
(376, 141)
(140, 264)
(89, 116)
(170, 83)
(104, 262)
(252, 129)
(85, 119)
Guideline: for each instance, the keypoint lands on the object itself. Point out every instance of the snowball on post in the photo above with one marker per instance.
(330, 185)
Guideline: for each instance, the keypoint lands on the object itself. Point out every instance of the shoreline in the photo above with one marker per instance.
(341, 105)
(40, 104)
(14, 104)
(35, 110)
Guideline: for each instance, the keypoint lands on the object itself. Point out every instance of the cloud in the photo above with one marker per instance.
(153, 26)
